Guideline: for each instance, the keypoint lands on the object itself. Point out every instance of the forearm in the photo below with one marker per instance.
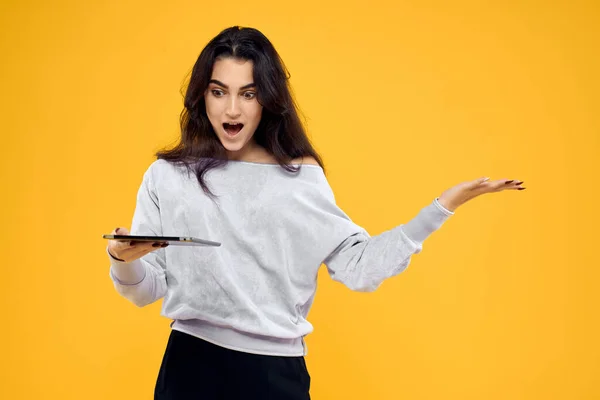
(362, 263)
(137, 281)
(428, 220)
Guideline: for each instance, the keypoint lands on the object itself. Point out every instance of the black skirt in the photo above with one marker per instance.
(195, 369)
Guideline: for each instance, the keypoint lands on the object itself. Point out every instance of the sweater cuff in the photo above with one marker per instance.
(125, 273)
(427, 221)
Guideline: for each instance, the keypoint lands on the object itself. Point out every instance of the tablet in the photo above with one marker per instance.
(172, 240)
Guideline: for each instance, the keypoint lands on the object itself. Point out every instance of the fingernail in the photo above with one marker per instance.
(164, 245)
(519, 183)
(156, 244)
(507, 182)
(521, 188)
(133, 243)
(117, 230)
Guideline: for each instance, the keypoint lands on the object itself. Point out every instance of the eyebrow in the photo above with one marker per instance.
(216, 82)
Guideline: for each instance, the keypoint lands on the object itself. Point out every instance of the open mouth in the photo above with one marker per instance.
(233, 129)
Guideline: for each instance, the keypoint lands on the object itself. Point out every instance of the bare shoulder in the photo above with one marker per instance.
(305, 160)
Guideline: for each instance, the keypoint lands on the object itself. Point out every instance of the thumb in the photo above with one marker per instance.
(120, 231)
(481, 180)
(477, 182)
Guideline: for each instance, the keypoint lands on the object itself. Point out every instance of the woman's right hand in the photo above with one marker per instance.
(130, 251)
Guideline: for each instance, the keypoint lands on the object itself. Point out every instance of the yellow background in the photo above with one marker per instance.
(403, 100)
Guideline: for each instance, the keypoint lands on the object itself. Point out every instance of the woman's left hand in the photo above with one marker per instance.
(458, 195)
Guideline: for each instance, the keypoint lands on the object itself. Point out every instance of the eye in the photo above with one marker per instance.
(249, 95)
(217, 92)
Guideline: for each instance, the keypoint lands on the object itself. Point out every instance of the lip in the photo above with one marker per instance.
(229, 134)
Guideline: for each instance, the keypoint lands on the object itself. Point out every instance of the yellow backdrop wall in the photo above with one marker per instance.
(403, 100)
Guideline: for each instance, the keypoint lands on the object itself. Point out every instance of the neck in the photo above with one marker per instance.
(252, 153)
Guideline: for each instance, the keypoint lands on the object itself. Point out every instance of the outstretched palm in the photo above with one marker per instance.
(465, 191)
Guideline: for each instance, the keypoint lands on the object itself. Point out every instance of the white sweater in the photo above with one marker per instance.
(254, 292)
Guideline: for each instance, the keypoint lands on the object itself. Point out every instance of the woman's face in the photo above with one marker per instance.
(232, 106)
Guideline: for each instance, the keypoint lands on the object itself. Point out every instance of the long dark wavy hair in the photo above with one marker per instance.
(280, 130)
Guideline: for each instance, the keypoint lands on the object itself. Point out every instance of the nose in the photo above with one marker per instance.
(233, 109)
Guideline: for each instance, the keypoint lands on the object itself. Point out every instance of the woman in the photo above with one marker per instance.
(245, 174)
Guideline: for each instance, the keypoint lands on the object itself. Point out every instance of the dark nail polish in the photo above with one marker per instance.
(507, 182)
(133, 243)
(117, 230)
(521, 188)
(155, 244)
(519, 183)
(164, 245)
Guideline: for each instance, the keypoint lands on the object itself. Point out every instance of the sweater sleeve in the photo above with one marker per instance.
(362, 263)
(142, 281)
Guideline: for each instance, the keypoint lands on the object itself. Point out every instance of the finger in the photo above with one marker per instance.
(491, 186)
(125, 249)
(501, 184)
(126, 244)
(121, 231)
(140, 245)
(517, 187)
(487, 186)
(513, 184)
(117, 243)
(509, 184)
(139, 250)
(476, 184)
(151, 246)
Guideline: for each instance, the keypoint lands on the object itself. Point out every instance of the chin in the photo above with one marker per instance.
(232, 147)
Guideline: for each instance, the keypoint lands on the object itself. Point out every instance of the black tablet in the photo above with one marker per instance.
(172, 240)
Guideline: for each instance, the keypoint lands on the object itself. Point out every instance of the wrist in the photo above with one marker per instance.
(447, 204)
